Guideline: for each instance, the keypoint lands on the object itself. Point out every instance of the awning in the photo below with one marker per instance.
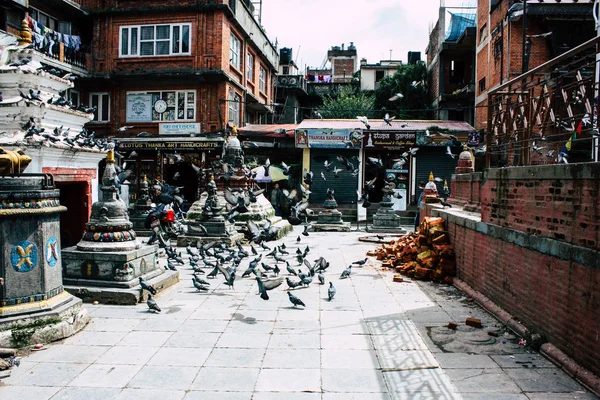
(254, 105)
(169, 143)
(271, 130)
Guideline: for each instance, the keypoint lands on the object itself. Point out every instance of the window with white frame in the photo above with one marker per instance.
(262, 80)
(181, 105)
(234, 48)
(155, 40)
(234, 108)
(101, 101)
(250, 68)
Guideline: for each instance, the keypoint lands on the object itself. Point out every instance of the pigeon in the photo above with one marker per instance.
(336, 172)
(323, 176)
(264, 286)
(308, 176)
(361, 262)
(305, 232)
(291, 284)
(387, 119)
(307, 280)
(445, 204)
(35, 95)
(298, 239)
(276, 270)
(254, 252)
(449, 152)
(327, 165)
(152, 306)
(213, 273)
(146, 286)
(29, 124)
(364, 120)
(395, 97)
(199, 286)
(295, 301)
(124, 128)
(321, 278)
(200, 281)
(346, 272)
(331, 291)
(290, 270)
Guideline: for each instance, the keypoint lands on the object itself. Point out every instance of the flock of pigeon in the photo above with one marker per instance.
(265, 267)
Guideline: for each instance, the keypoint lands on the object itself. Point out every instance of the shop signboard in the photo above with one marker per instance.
(329, 138)
(439, 138)
(139, 107)
(388, 140)
(178, 128)
(170, 145)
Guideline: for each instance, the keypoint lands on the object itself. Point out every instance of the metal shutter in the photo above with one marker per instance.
(435, 159)
(345, 186)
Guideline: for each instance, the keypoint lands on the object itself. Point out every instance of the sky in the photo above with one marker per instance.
(311, 27)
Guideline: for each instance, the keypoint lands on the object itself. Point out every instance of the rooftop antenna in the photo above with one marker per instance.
(390, 54)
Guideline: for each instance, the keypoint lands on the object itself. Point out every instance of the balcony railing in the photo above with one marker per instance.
(547, 115)
(64, 54)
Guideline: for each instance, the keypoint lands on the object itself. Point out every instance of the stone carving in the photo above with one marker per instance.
(24, 256)
(13, 161)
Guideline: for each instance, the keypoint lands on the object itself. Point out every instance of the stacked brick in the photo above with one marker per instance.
(425, 254)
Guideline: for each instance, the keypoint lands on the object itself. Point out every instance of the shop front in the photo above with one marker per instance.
(174, 160)
(332, 151)
(388, 146)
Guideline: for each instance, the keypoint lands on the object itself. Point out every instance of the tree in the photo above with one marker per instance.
(409, 80)
(348, 104)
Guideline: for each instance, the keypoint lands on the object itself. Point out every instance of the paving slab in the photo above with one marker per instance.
(377, 340)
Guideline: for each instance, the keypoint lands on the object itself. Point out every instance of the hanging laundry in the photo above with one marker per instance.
(321, 78)
(310, 77)
(327, 78)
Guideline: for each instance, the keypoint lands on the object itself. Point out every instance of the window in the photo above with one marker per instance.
(181, 105)
(262, 80)
(74, 96)
(457, 71)
(482, 84)
(234, 108)
(155, 40)
(286, 71)
(482, 33)
(379, 75)
(44, 19)
(497, 48)
(234, 48)
(102, 103)
(250, 68)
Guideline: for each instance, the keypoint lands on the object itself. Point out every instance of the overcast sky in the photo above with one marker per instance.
(311, 27)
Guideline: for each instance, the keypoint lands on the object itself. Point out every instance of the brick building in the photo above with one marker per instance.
(451, 64)
(176, 71)
(552, 27)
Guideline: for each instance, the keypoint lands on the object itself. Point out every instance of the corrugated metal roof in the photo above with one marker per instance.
(381, 125)
(270, 130)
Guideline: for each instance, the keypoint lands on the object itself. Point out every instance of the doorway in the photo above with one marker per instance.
(72, 222)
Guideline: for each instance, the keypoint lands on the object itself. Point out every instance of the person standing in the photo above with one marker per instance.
(418, 216)
(277, 200)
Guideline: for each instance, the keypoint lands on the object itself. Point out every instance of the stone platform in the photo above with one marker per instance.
(184, 240)
(43, 321)
(112, 277)
(330, 220)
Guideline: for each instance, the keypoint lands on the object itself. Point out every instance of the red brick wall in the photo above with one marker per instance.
(466, 189)
(553, 201)
(551, 296)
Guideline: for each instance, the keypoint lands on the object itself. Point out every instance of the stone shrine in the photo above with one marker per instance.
(330, 219)
(206, 220)
(385, 219)
(107, 262)
(141, 209)
(34, 308)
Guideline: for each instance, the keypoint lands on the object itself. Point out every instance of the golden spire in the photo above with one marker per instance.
(145, 178)
(110, 157)
(25, 34)
(445, 183)
(431, 176)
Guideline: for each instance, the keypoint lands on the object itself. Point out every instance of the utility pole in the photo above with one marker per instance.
(524, 26)
(390, 54)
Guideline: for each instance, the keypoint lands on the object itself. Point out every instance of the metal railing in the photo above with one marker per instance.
(547, 115)
(65, 54)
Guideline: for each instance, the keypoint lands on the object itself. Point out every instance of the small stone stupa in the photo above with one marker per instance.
(141, 209)
(330, 219)
(386, 220)
(34, 308)
(206, 221)
(431, 193)
(107, 262)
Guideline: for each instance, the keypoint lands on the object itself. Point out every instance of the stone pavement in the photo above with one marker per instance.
(376, 340)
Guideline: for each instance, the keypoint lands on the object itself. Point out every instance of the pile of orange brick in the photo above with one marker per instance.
(425, 254)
